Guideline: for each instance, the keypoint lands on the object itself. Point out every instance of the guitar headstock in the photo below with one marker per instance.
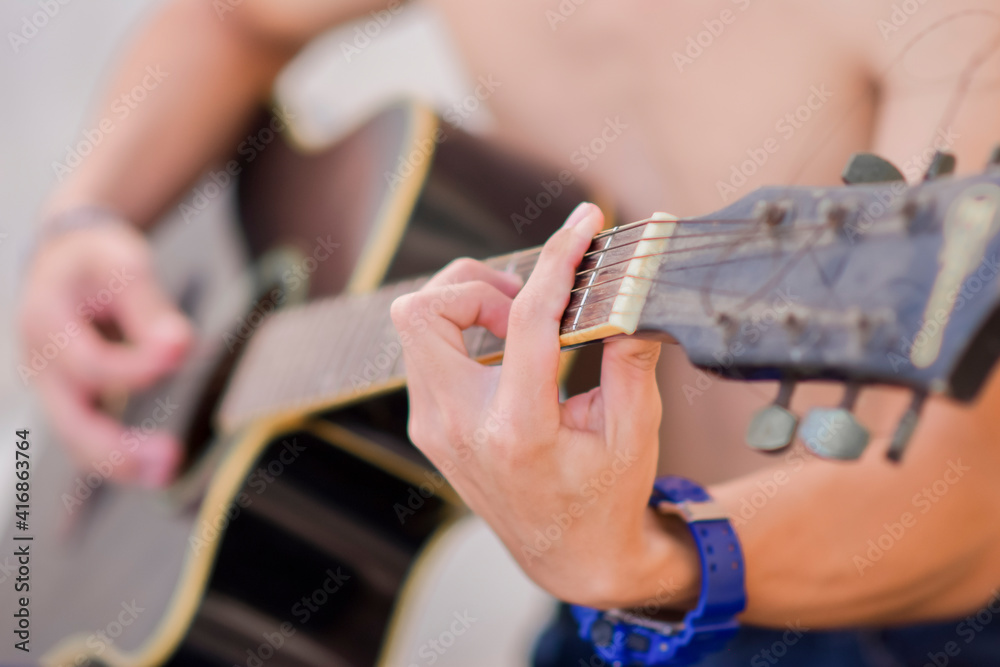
(866, 284)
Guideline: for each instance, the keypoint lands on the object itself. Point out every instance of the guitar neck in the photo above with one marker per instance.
(333, 351)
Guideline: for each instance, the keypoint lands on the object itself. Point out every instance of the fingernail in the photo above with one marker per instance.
(578, 215)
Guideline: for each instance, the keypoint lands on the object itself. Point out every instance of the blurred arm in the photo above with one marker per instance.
(209, 70)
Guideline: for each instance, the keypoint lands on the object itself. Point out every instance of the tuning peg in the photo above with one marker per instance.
(773, 428)
(834, 433)
(869, 168)
(994, 159)
(907, 425)
(941, 164)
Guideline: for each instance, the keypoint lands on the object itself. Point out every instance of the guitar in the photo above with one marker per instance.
(301, 485)
(322, 517)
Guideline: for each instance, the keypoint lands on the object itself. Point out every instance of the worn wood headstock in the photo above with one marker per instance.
(867, 283)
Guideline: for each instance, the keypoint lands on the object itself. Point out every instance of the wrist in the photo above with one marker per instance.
(674, 629)
(66, 221)
(83, 216)
(667, 575)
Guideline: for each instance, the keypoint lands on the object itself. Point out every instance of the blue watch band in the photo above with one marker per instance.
(622, 637)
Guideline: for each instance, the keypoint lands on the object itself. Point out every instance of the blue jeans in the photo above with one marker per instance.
(972, 641)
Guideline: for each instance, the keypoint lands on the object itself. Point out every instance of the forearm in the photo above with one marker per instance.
(203, 76)
(832, 545)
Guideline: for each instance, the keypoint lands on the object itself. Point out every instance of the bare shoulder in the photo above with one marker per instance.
(936, 66)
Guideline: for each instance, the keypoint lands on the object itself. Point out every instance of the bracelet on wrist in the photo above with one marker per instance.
(68, 220)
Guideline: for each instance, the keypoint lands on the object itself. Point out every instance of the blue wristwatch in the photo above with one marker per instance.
(623, 637)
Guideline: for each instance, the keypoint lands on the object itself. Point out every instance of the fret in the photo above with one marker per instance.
(388, 336)
(486, 344)
(363, 353)
(600, 257)
(612, 294)
(358, 355)
(316, 355)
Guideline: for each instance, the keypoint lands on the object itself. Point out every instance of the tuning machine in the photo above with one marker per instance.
(869, 168)
(994, 159)
(834, 433)
(772, 428)
(942, 164)
(907, 425)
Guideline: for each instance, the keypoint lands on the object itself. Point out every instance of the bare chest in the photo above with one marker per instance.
(679, 106)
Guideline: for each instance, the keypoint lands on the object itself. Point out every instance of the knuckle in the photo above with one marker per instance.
(462, 266)
(645, 359)
(402, 308)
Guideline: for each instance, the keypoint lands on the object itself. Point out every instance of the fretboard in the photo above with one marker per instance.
(333, 351)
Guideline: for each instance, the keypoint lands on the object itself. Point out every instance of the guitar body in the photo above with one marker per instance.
(314, 537)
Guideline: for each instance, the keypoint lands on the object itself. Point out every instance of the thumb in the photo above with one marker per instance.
(628, 380)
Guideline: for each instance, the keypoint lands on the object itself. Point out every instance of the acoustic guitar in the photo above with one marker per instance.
(304, 523)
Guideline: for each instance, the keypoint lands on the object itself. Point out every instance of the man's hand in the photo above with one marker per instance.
(564, 485)
(79, 284)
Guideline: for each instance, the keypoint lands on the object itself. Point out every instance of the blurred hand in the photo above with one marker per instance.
(80, 283)
(564, 485)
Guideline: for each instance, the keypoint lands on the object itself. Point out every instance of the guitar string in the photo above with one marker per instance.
(752, 232)
(950, 112)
